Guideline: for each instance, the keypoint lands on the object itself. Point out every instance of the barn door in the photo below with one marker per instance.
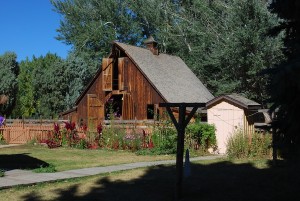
(95, 109)
(122, 73)
(107, 74)
(127, 107)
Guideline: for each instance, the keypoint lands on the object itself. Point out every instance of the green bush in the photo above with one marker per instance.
(200, 135)
(260, 145)
(112, 137)
(81, 144)
(164, 138)
(240, 145)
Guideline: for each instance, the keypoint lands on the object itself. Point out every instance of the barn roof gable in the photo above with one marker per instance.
(236, 99)
(168, 74)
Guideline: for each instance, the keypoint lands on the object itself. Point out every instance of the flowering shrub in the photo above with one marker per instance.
(147, 140)
(55, 140)
(71, 134)
(66, 137)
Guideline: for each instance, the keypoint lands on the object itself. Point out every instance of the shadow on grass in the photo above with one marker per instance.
(217, 181)
(20, 161)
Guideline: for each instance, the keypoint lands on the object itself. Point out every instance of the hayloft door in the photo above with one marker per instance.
(122, 73)
(107, 79)
(95, 110)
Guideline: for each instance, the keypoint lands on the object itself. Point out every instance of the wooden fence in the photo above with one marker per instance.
(21, 131)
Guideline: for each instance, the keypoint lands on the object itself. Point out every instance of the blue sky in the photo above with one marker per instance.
(28, 27)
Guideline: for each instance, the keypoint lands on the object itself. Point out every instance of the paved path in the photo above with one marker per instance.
(8, 145)
(26, 177)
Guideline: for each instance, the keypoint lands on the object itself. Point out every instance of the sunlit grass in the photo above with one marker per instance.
(71, 158)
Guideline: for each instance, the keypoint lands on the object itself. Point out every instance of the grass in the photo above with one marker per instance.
(35, 157)
(224, 180)
(45, 169)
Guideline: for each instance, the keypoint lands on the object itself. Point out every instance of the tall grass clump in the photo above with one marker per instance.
(241, 145)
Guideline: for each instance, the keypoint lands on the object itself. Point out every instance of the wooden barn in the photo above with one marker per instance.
(133, 81)
(230, 113)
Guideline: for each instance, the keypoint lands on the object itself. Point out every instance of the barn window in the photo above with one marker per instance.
(150, 111)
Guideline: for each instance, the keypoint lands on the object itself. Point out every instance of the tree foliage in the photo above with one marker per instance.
(43, 84)
(285, 82)
(224, 42)
(25, 102)
(9, 70)
(242, 50)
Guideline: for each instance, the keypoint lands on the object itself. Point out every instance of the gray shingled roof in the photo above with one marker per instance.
(236, 98)
(169, 75)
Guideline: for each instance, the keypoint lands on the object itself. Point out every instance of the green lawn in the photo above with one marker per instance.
(32, 157)
(242, 180)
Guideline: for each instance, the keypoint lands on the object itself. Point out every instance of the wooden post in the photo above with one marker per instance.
(180, 127)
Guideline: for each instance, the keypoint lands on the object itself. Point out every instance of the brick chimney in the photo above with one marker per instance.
(151, 45)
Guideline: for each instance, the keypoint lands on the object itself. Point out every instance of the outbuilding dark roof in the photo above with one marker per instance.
(169, 75)
(237, 99)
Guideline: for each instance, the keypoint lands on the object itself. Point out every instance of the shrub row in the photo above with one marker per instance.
(162, 140)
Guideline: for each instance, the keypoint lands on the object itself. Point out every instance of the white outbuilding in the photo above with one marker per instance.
(230, 113)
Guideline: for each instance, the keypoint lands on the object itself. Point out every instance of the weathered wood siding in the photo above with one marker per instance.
(134, 87)
(141, 91)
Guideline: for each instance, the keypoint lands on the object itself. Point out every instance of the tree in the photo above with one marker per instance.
(91, 25)
(44, 83)
(244, 50)
(78, 77)
(25, 102)
(223, 42)
(285, 82)
(50, 84)
(9, 70)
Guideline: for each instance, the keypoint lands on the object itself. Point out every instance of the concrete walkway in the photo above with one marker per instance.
(9, 145)
(25, 177)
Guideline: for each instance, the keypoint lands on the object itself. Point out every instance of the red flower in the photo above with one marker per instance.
(151, 144)
(56, 128)
(73, 126)
(67, 125)
(70, 126)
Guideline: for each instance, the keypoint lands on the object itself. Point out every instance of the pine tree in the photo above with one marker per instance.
(285, 82)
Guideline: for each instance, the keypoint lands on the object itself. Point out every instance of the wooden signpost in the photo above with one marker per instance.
(180, 127)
